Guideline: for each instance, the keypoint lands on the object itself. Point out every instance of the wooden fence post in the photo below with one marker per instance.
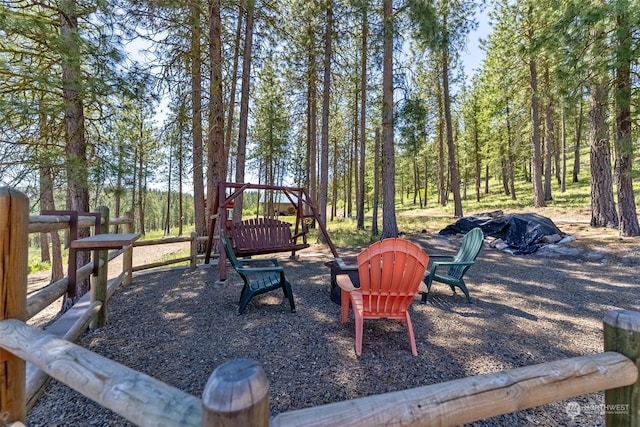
(236, 395)
(194, 250)
(99, 282)
(14, 264)
(622, 335)
(127, 257)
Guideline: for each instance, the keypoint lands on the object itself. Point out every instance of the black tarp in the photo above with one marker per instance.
(523, 232)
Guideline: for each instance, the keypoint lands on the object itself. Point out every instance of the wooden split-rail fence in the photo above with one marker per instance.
(237, 393)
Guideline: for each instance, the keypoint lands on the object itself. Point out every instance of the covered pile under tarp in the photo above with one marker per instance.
(523, 233)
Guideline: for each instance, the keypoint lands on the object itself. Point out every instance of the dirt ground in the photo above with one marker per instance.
(142, 255)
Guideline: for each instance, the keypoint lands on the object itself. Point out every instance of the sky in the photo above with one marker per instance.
(472, 59)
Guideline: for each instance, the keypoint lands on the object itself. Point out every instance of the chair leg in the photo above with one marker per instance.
(345, 301)
(412, 339)
(423, 300)
(245, 296)
(425, 295)
(359, 321)
(288, 292)
(463, 286)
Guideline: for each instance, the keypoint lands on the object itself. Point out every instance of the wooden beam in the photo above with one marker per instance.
(41, 299)
(161, 263)
(14, 255)
(137, 397)
(127, 258)
(236, 395)
(179, 239)
(98, 290)
(622, 334)
(70, 327)
(473, 398)
(105, 241)
(46, 223)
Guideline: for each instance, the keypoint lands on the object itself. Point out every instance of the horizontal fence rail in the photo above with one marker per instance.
(132, 394)
(91, 309)
(474, 398)
(46, 223)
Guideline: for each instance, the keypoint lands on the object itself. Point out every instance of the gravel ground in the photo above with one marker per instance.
(178, 326)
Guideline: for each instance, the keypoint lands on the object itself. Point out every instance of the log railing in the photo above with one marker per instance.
(92, 307)
(41, 299)
(237, 391)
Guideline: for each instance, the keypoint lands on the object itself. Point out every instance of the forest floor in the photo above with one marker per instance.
(525, 310)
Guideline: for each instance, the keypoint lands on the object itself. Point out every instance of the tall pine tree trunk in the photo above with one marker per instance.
(363, 121)
(576, 143)
(311, 182)
(453, 167)
(76, 145)
(549, 137)
(353, 161)
(376, 185)
(201, 218)
(241, 153)
(510, 154)
(389, 224)
(563, 138)
(334, 185)
(478, 157)
(623, 141)
(442, 191)
(324, 137)
(603, 209)
(142, 188)
(47, 202)
(234, 82)
(536, 151)
(536, 158)
(216, 160)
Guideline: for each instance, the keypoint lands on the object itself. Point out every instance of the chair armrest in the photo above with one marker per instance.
(451, 263)
(344, 266)
(249, 261)
(431, 256)
(345, 283)
(250, 270)
(434, 265)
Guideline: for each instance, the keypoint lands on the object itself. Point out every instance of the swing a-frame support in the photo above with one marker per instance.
(262, 235)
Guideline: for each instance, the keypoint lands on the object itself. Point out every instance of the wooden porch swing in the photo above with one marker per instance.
(262, 235)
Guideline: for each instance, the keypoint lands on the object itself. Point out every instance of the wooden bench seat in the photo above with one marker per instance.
(257, 236)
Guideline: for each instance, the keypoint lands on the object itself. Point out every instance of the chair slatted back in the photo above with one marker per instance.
(227, 249)
(469, 250)
(390, 272)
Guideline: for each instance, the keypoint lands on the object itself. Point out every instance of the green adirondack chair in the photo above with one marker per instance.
(458, 266)
(257, 280)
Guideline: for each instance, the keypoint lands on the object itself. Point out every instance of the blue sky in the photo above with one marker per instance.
(472, 59)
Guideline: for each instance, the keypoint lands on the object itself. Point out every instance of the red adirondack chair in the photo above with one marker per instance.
(390, 272)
